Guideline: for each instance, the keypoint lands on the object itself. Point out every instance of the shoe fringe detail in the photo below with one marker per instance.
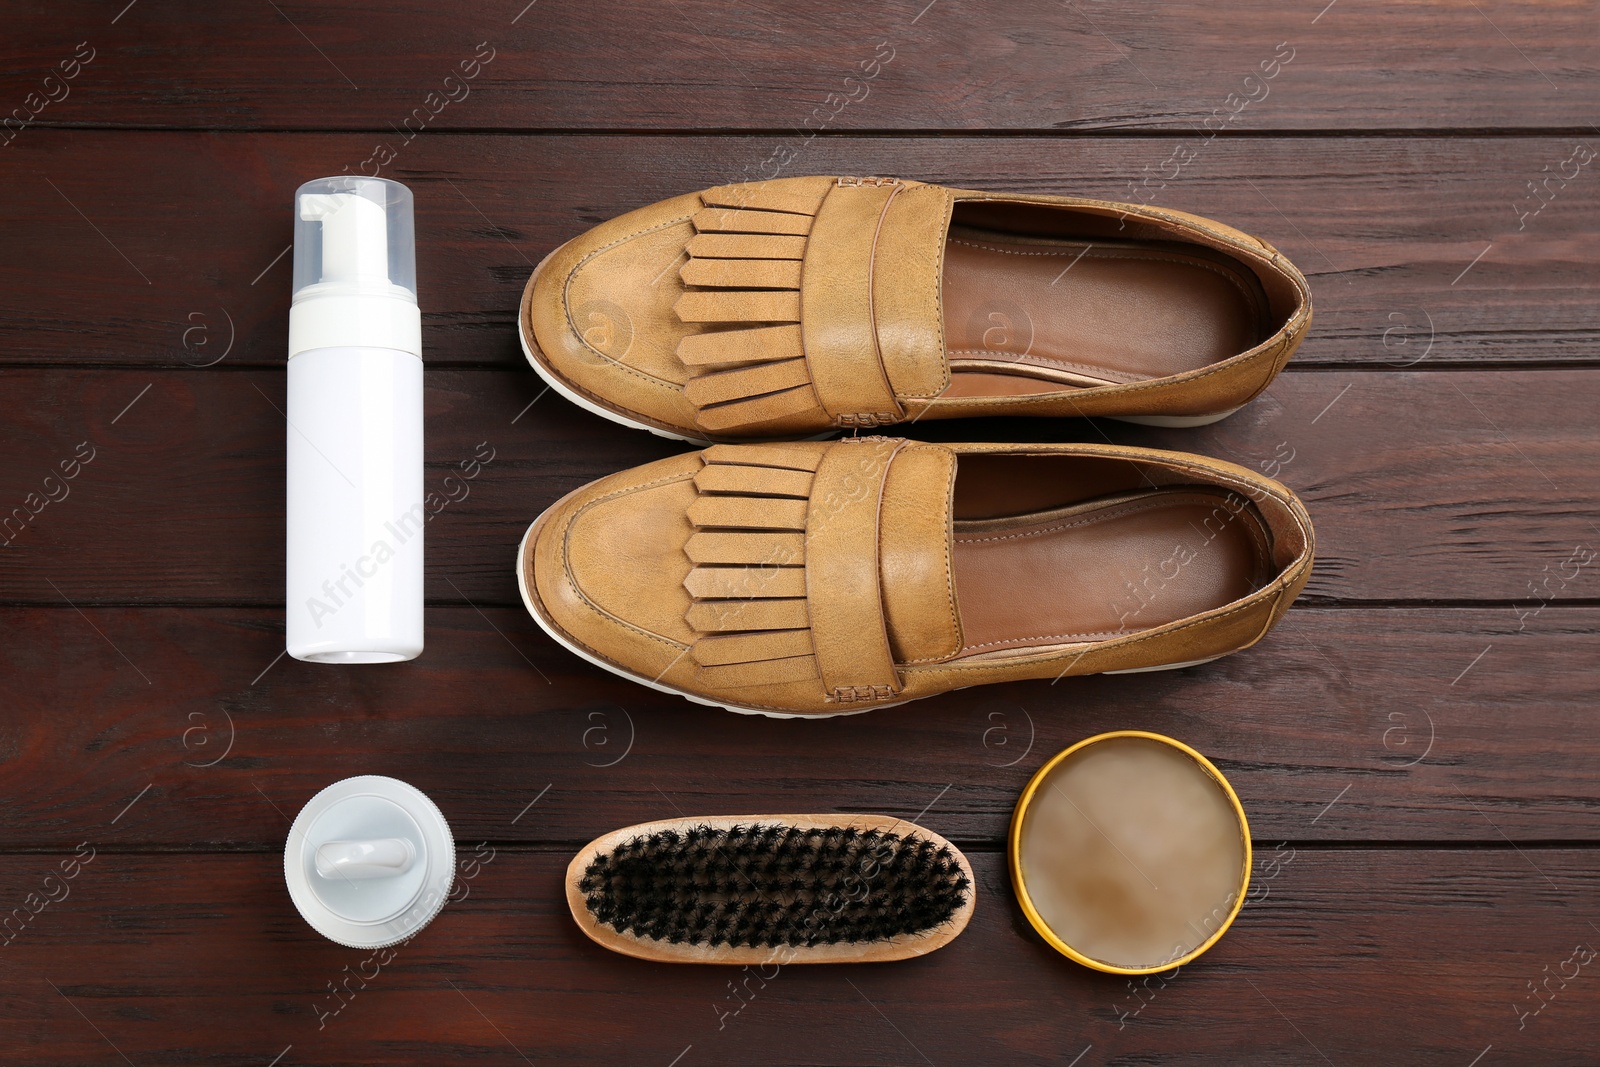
(785, 570)
(748, 363)
(752, 360)
(748, 578)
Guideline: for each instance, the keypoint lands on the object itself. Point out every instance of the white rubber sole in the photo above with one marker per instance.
(1166, 666)
(589, 405)
(1173, 422)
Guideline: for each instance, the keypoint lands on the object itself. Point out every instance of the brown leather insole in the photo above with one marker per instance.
(1025, 315)
(1106, 567)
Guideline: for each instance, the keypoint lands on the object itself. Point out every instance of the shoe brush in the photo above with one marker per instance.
(771, 889)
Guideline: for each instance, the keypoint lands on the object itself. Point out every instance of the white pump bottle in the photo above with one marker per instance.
(355, 496)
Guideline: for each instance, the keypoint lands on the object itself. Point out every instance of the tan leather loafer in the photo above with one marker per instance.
(825, 578)
(791, 307)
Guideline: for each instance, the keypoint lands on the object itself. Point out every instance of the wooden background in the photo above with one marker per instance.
(1416, 745)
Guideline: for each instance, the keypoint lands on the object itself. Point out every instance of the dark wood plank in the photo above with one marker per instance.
(163, 249)
(183, 500)
(191, 959)
(1342, 725)
(1035, 65)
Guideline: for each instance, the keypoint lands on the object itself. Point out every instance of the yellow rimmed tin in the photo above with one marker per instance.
(1015, 843)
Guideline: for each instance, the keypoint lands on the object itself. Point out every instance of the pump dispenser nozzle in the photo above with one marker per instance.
(355, 275)
(355, 239)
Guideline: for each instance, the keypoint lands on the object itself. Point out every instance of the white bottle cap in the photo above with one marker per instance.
(369, 861)
(355, 267)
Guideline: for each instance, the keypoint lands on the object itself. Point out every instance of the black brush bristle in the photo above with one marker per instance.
(772, 885)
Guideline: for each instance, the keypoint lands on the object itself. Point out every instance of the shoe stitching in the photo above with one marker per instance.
(566, 311)
(1153, 257)
(1028, 359)
(566, 302)
(938, 296)
(1116, 511)
(1050, 637)
(949, 567)
(1272, 346)
(566, 570)
(1252, 601)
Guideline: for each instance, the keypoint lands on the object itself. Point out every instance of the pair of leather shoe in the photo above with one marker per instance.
(813, 578)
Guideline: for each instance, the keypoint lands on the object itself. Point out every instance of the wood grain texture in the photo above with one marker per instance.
(701, 64)
(183, 500)
(1357, 956)
(166, 249)
(1341, 725)
(1419, 732)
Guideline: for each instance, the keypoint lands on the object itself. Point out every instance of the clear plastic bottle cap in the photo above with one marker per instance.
(355, 266)
(355, 234)
(369, 861)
